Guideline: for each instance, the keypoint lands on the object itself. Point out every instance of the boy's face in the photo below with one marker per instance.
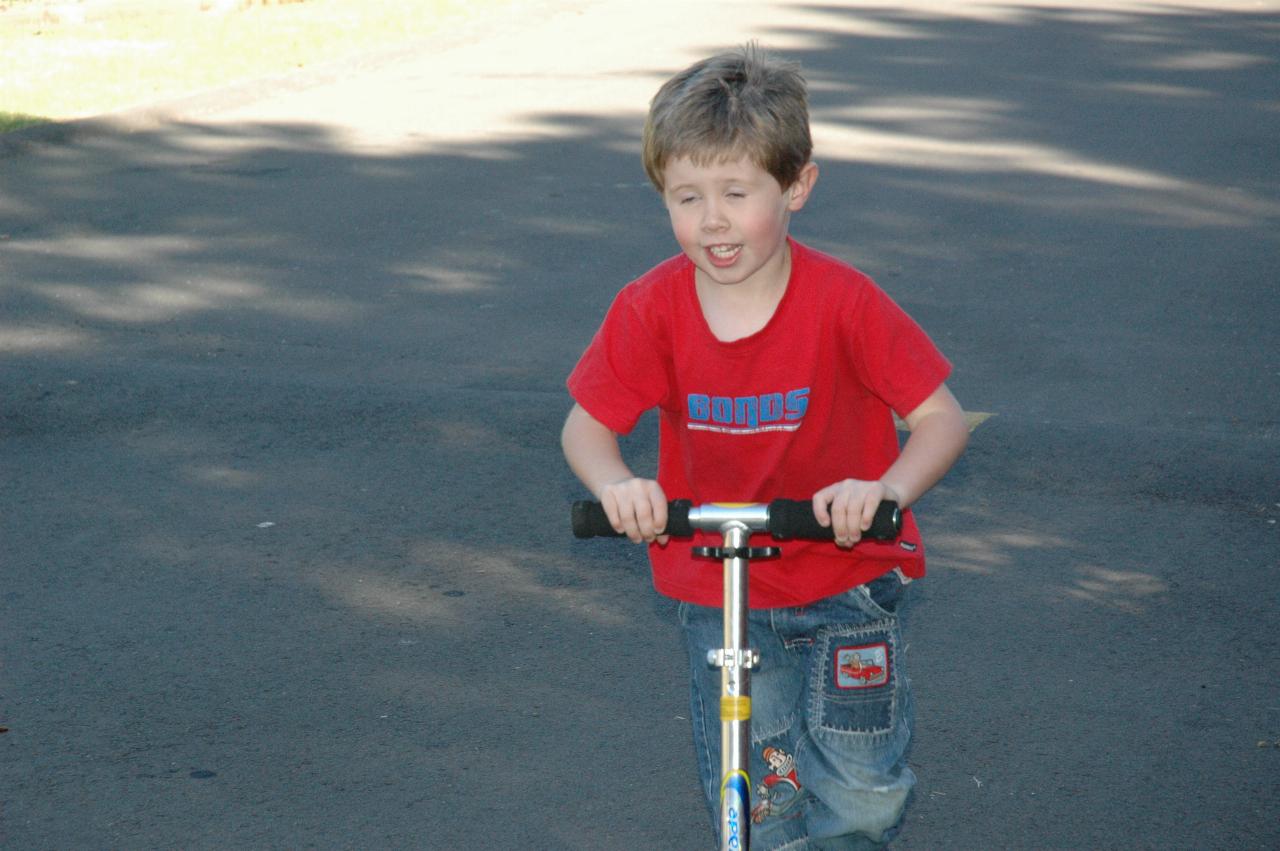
(731, 219)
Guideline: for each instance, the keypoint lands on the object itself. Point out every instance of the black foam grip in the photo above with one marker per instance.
(678, 518)
(887, 523)
(793, 518)
(590, 521)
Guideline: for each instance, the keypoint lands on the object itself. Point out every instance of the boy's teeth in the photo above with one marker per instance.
(723, 250)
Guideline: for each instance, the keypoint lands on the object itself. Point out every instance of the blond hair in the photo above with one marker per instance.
(742, 103)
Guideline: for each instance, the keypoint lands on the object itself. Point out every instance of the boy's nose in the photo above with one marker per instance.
(712, 218)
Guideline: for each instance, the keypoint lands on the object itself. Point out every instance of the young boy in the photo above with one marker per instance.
(776, 371)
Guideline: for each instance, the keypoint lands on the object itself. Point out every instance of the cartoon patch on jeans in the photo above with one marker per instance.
(866, 666)
(780, 788)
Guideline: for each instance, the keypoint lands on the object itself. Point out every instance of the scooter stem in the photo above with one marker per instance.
(736, 661)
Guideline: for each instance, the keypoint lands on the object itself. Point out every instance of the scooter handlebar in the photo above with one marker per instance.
(794, 518)
(788, 518)
(590, 520)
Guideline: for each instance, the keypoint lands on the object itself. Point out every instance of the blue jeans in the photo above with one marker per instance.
(831, 716)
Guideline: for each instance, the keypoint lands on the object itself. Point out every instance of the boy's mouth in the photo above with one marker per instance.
(723, 255)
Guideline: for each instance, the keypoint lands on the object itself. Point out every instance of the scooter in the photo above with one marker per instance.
(782, 519)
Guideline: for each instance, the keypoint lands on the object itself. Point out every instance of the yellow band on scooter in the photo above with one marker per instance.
(735, 708)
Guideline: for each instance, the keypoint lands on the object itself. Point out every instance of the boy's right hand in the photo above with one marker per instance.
(637, 508)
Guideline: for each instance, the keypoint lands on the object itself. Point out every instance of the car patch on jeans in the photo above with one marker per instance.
(863, 666)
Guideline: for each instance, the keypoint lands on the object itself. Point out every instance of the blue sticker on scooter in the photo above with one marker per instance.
(734, 800)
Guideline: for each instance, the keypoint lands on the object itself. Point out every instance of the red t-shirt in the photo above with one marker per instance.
(805, 402)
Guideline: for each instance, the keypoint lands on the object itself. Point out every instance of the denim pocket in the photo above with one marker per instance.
(880, 597)
(855, 679)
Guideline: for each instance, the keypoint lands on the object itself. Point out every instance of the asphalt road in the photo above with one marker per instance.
(284, 557)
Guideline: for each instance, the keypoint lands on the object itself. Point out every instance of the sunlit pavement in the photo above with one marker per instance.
(285, 558)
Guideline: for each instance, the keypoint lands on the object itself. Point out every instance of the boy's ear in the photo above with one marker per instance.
(799, 192)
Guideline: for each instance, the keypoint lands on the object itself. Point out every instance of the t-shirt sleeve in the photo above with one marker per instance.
(895, 358)
(623, 372)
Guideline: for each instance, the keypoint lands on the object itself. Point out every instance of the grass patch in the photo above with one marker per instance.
(64, 60)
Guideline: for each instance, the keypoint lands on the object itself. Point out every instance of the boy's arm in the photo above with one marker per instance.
(939, 434)
(636, 507)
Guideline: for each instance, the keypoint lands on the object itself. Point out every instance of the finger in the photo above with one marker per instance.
(622, 514)
(628, 526)
(855, 529)
(610, 504)
(643, 521)
(840, 517)
(851, 522)
(821, 500)
(869, 513)
(659, 506)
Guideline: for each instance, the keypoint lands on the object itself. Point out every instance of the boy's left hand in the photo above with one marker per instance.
(848, 507)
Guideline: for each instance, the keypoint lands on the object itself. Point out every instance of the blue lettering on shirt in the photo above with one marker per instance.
(748, 414)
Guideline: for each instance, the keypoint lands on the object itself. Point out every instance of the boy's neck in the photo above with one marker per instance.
(735, 311)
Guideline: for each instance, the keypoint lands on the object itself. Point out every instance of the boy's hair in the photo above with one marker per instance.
(742, 103)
